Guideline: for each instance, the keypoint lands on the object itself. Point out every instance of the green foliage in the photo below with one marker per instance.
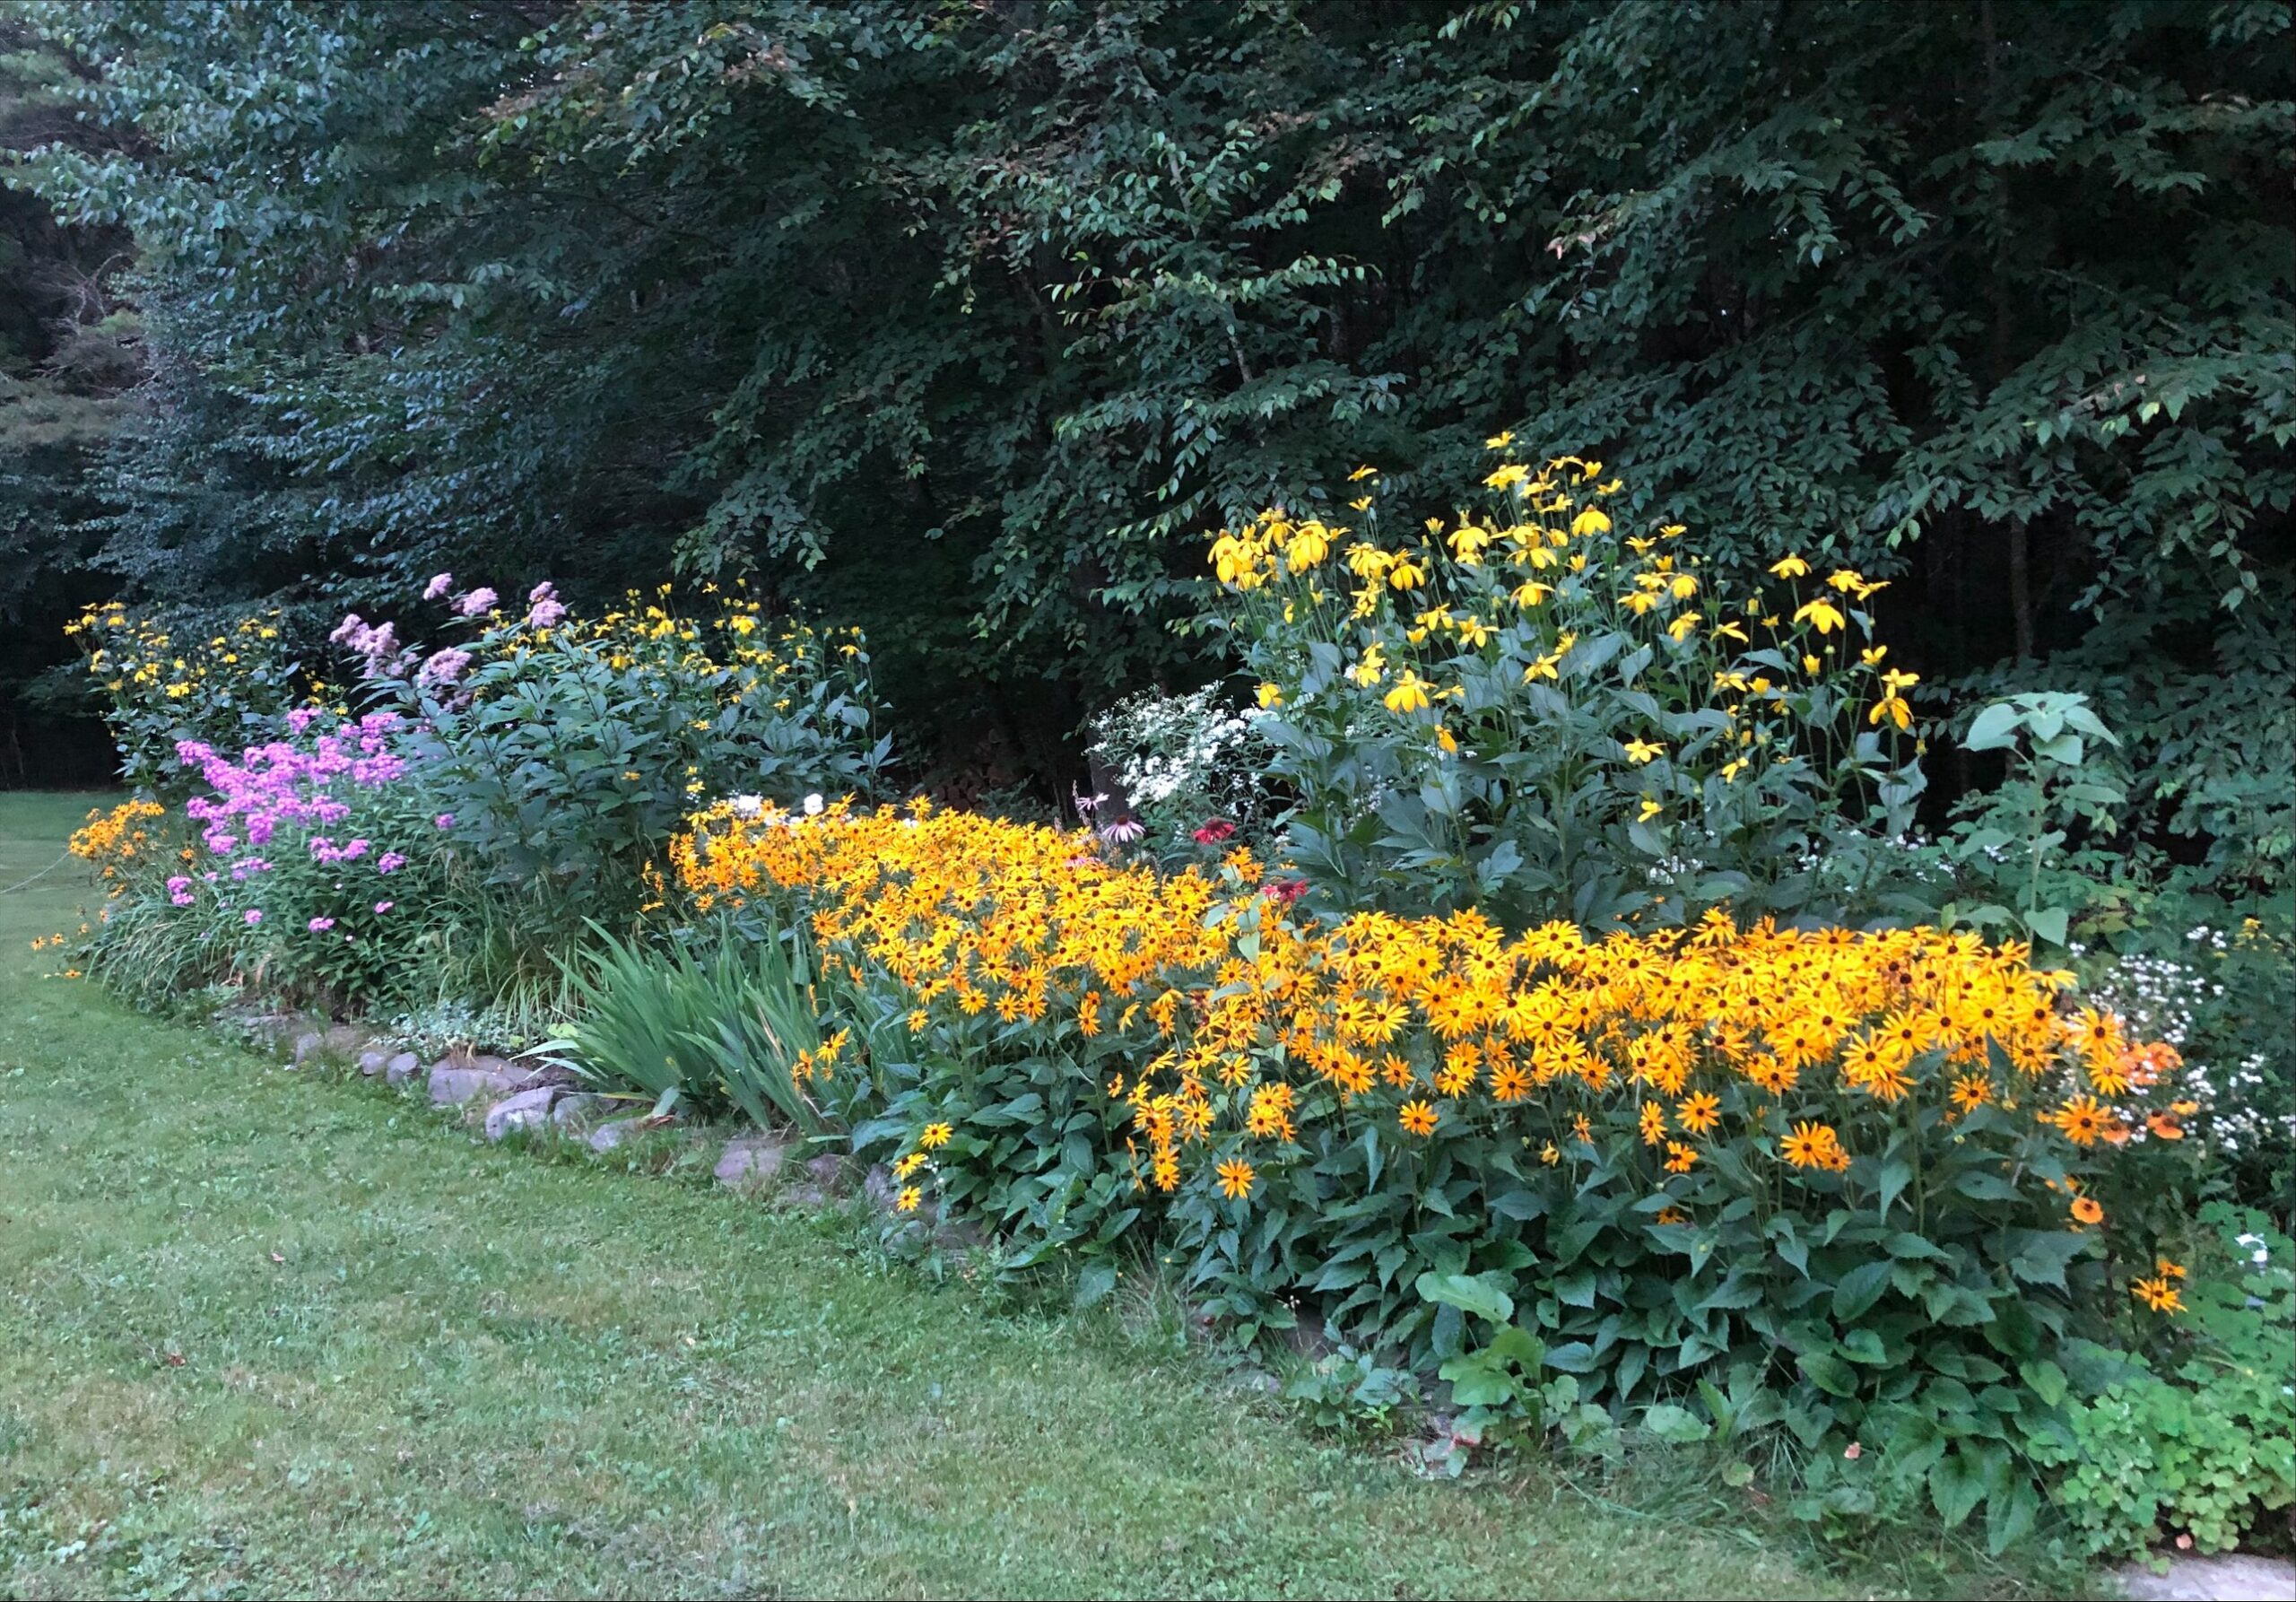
(568, 752)
(2062, 777)
(68, 352)
(963, 322)
(2207, 1446)
(692, 1030)
(1542, 717)
(162, 679)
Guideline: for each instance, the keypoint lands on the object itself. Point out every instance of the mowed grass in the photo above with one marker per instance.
(267, 1332)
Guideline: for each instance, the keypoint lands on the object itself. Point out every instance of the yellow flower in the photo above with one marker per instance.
(1310, 544)
(1643, 751)
(1822, 614)
(1362, 473)
(936, 1136)
(1791, 567)
(1409, 695)
(911, 1195)
(1236, 1179)
(1500, 440)
(1650, 809)
(1682, 627)
(2087, 1211)
(1417, 1118)
(2158, 1294)
(1508, 476)
(1593, 520)
(1271, 696)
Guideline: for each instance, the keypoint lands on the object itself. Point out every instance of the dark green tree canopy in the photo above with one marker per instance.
(964, 321)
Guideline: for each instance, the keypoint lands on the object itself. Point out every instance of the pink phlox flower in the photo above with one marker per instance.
(438, 586)
(479, 600)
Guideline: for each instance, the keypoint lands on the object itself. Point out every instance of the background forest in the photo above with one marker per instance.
(965, 322)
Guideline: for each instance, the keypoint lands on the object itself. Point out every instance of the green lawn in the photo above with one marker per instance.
(265, 1333)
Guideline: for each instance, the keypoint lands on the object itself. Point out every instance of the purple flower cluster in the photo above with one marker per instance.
(298, 784)
(377, 644)
(543, 609)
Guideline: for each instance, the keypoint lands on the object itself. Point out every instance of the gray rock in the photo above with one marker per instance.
(2232, 1577)
(452, 1087)
(307, 1045)
(346, 1039)
(372, 1063)
(528, 1110)
(574, 1109)
(751, 1160)
(534, 1074)
(606, 1136)
(827, 1171)
(878, 1188)
(402, 1068)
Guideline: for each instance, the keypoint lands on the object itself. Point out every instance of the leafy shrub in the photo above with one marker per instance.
(567, 749)
(1187, 764)
(700, 1031)
(164, 683)
(2223, 996)
(304, 868)
(1859, 1162)
(1538, 716)
(2208, 1447)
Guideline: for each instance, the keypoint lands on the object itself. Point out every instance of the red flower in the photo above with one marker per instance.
(1213, 833)
(1286, 891)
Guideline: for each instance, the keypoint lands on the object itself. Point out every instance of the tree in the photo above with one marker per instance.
(968, 322)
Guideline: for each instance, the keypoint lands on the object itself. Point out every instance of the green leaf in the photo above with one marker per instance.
(1676, 1424)
(1955, 1485)
(1469, 1294)
(1829, 1374)
(1094, 1283)
(1859, 1289)
(1576, 1288)
(2044, 1379)
(1993, 728)
(2009, 1514)
(1863, 1346)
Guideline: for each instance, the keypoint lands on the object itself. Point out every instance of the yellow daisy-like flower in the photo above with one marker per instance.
(1644, 751)
(1822, 614)
(1417, 1118)
(934, 1136)
(910, 1196)
(1236, 1179)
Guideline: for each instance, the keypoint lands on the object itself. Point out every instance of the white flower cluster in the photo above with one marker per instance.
(1184, 760)
(2160, 998)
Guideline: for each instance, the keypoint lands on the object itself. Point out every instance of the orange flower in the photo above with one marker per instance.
(2087, 1211)
(1417, 1118)
(1235, 1180)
